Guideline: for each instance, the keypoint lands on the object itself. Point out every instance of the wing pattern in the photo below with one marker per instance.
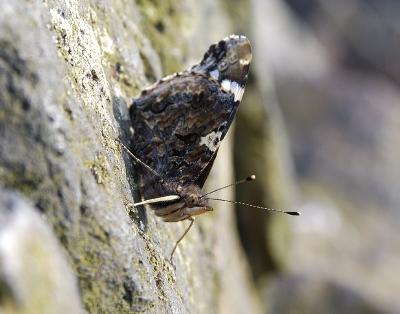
(180, 122)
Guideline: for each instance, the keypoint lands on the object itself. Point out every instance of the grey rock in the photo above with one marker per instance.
(34, 274)
(68, 71)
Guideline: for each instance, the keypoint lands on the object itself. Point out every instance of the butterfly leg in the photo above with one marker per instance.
(181, 238)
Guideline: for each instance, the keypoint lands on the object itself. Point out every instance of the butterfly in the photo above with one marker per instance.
(178, 125)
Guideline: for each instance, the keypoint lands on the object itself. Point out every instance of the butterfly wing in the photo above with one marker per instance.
(179, 123)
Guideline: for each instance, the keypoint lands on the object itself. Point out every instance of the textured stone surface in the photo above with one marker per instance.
(68, 71)
(34, 274)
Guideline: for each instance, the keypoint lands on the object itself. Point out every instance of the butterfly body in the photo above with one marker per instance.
(179, 123)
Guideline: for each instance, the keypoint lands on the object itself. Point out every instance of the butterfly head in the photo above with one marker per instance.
(194, 203)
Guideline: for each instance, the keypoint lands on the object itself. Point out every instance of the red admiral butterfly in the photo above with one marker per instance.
(178, 125)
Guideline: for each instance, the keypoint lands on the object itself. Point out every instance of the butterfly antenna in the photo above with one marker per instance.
(248, 179)
(292, 213)
(138, 160)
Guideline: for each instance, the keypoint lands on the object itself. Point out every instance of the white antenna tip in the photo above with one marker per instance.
(251, 178)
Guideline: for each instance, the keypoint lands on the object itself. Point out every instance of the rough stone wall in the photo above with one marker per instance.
(68, 71)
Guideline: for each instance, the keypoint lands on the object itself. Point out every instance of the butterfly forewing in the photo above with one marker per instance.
(180, 140)
(180, 122)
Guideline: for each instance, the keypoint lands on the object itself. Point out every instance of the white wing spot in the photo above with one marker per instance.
(233, 36)
(244, 61)
(215, 74)
(226, 85)
(237, 90)
(210, 142)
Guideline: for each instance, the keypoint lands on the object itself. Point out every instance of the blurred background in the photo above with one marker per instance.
(319, 126)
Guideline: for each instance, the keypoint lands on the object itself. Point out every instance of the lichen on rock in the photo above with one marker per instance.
(68, 71)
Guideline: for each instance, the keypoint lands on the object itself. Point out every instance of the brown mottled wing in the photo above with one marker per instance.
(179, 124)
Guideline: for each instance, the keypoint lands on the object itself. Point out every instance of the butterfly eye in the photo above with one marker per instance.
(223, 65)
(191, 200)
(179, 189)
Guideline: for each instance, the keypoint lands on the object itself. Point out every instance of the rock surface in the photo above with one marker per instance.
(68, 71)
(35, 276)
